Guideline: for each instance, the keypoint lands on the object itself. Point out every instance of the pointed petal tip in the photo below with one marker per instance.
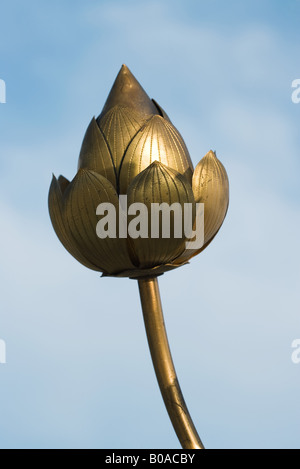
(161, 166)
(127, 91)
(124, 70)
(157, 164)
(211, 153)
(63, 183)
(62, 178)
(53, 185)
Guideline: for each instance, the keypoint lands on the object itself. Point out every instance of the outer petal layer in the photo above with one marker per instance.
(156, 185)
(159, 141)
(55, 201)
(81, 199)
(211, 187)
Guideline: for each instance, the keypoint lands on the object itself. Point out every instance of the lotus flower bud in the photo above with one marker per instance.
(133, 150)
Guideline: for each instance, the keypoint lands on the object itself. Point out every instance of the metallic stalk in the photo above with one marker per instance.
(163, 365)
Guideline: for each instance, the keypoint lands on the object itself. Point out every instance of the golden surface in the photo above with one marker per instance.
(119, 126)
(127, 92)
(164, 367)
(159, 141)
(211, 187)
(73, 214)
(133, 148)
(95, 154)
(159, 184)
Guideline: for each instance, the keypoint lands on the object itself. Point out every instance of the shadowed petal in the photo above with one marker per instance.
(95, 154)
(154, 271)
(87, 190)
(156, 185)
(55, 201)
(159, 141)
(63, 183)
(211, 187)
(161, 111)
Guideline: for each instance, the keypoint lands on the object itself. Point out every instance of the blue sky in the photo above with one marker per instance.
(78, 371)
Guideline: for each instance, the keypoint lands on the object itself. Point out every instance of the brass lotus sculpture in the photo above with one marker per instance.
(133, 149)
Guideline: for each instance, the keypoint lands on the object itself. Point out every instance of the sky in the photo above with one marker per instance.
(78, 372)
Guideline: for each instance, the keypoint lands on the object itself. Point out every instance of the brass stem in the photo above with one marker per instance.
(163, 365)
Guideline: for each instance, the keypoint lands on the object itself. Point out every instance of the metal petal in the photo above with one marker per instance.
(154, 271)
(158, 184)
(211, 187)
(63, 183)
(95, 154)
(119, 125)
(55, 202)
(157, 140)
(87, 190)
(126, 91)
(161, 111)
(189, 254)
